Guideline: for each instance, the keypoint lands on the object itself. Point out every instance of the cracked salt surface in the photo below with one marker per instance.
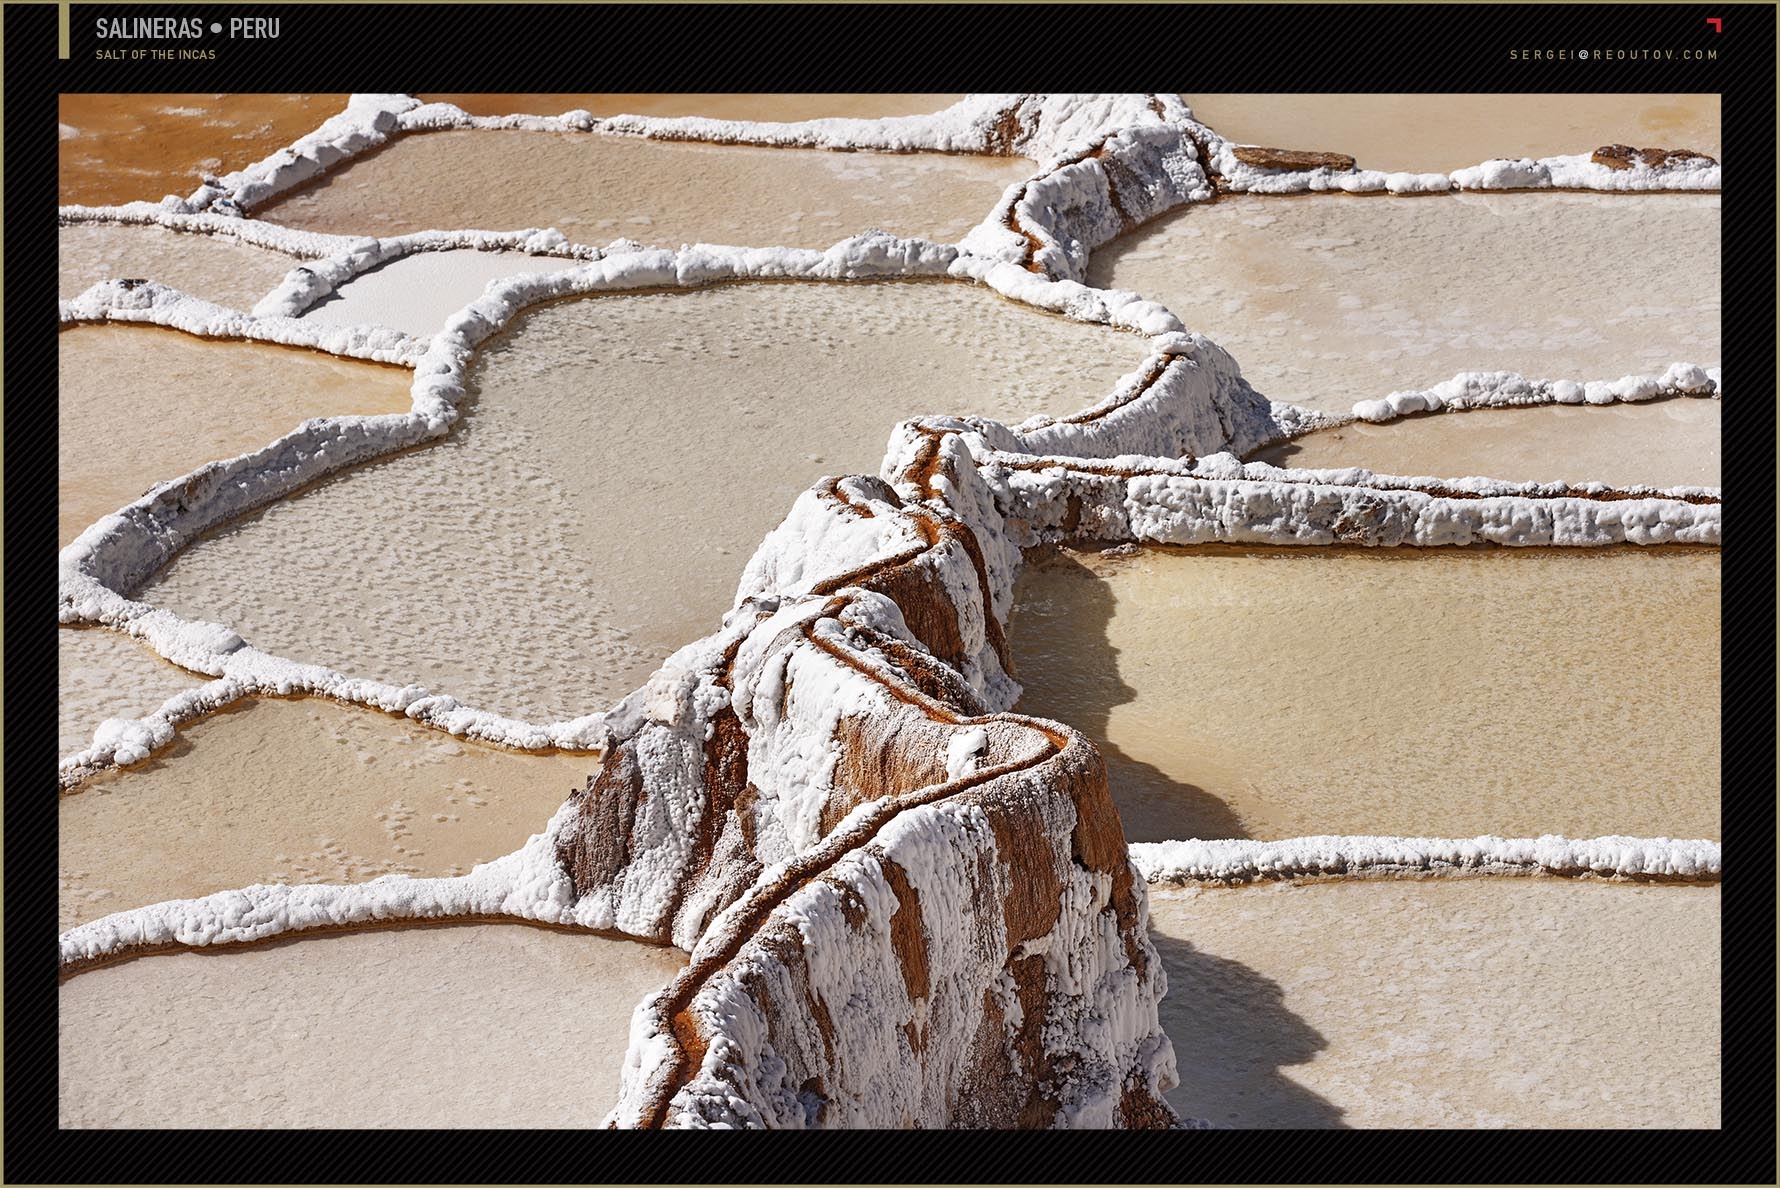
(104, 674)
(596, 188)
(216, 268)
(620, 460)
(1284, 693)
(299, 791)
(1417, 133)
(481, 1025)
(139, 405)
(763, 107)
(1666, 443)
(1443, 1003)
(128, 147)
(1328, 301)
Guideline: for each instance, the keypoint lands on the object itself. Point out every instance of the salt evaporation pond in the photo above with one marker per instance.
(299, 791)
(769, 108)
(459, 1026)
(104, 674)
(216, 268)
(1497, 1002)
(597, 188)
(415, 294)
(139, 405)
(120, 148)
(1275, 693)
(1667, 443)
(620, 461)
(1328, 300)
(1426, 133)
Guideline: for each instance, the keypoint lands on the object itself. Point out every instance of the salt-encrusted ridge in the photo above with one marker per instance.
(1243, 860)
(1506, 389)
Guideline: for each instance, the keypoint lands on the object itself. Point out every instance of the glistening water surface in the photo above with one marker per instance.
(620, 460)
(1275, 693)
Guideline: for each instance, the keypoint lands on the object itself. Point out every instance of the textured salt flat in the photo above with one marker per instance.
(1668, 443)
(597, 188)
(1327, 301)
(105, 674)
(1275, 694)
(1445, 1003)
(417, 293)
(128, 147)
(473, 1025)
(1421, 133)
(139, 405)
(771, 108)
(214, 267)
(303, 791)
(620, 461)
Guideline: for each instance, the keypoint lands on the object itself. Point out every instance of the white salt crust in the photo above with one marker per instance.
(1155, 461)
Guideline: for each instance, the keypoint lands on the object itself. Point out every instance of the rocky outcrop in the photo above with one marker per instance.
(1624, 156)
(1295, 160)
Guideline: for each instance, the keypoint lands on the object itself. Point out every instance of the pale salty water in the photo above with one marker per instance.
(417, 293)
(1326, 300)
(476, 1025)
(620, 460)
(139, 405)
(597, 188)
(299, 791)
(1440, 133)
(216, 268)
(1490, 1002)
(1276, 693)
(105, 674)
(1666, 443)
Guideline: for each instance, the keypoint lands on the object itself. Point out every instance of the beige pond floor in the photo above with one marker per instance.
(1666, 443)
(104, 674)
(213, 267)
(138, 405)
(497, 1025)
(416, 293)
(621, 459)
(1429, 133)
(596, 188)
(1326, 300)
(1280, 693)
(768, 107)
(299, 791)
(129, 147)
(1461, 1003)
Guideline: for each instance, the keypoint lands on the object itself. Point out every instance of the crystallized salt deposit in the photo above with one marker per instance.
(1352, 717)
(1327, 303)
(768, 107)
(102, 674)
(1450, 1003)
(548, 544)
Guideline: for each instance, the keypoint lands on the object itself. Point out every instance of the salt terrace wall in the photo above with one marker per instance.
(904, 904)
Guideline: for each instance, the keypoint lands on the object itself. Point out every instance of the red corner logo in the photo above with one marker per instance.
(1717, 24)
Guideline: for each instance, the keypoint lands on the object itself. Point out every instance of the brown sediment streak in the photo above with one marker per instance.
(1436, 490)
(1011, 220)
(1158, 368)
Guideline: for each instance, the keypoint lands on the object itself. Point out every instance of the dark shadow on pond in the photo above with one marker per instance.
(1233, 1034)
(1070, 671)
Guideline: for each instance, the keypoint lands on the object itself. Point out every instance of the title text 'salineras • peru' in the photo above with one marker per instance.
(892, 610)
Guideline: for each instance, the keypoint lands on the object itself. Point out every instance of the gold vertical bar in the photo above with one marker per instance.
(62, 29)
